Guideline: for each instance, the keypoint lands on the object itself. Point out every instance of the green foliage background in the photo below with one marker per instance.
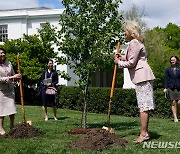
(124, 101)
(161, 44)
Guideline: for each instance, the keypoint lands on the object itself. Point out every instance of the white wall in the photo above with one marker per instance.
(15, 28)
(34, 24)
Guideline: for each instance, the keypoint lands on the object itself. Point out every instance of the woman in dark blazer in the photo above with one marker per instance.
(49, 100)
(172, 84)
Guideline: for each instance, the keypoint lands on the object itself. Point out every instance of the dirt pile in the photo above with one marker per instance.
(23, 130)
(98, 139)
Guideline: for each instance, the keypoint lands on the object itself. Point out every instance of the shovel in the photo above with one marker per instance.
(21, 94)
(110, 129)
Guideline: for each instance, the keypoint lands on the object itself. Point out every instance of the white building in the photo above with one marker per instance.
(16, 22)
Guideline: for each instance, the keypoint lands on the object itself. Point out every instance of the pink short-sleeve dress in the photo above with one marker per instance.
(7, 94)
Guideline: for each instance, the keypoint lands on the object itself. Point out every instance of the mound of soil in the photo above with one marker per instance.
(23, 130)
(98, 139)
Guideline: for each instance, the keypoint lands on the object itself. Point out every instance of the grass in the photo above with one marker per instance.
(56, 138)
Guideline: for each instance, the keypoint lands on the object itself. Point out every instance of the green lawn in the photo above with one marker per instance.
(56, 138)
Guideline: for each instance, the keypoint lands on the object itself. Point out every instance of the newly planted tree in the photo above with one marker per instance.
(90, 31)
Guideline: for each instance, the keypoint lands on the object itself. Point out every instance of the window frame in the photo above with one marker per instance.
(3, 32)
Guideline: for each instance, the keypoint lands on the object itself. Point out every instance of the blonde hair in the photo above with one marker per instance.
(134, 30)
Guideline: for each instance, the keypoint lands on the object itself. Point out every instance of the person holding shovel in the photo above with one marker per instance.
(49, 79)
(7, 94)
(135, 59)
(172, 85)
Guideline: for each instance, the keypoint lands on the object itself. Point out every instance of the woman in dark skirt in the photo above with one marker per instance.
(172, 85)
(49, 100)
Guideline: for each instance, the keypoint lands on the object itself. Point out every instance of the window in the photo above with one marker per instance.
(3, 33)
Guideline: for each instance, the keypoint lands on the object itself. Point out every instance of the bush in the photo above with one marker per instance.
(70, 98)
(124, 101)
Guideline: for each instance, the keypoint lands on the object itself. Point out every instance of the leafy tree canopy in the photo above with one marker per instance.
(172, 33)
(160, 48)
(90, 30)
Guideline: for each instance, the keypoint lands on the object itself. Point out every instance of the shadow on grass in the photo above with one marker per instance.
(116, 126)
(154, 135)
(60, 118)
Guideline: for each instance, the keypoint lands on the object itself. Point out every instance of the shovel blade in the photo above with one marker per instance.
(29, 122)
(110, 129)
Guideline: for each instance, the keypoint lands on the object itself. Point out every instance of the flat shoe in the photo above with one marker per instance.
(142, 138)
(175, 120)
(55, 118)
(2, 133)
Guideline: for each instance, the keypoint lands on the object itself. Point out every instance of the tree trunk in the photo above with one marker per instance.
(84, 113)
(85, 97)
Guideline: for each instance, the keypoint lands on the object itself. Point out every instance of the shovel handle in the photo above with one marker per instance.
(114, 74)
(21, 90)
(112, 87)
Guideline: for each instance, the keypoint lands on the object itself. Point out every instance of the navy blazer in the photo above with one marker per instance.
(52, 74)
(172, 81)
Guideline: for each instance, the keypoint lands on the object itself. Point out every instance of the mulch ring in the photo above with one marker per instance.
(96, 139)
(23, 130)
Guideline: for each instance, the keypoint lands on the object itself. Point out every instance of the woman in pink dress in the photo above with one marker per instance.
(7, 95)
(141, 74)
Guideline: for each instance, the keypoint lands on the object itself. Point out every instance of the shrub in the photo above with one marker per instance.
(124, 101)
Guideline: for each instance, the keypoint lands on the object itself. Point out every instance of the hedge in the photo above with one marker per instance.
(124, 101)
